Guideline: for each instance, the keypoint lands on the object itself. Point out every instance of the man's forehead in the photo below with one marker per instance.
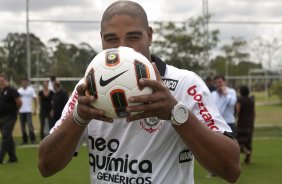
(129, 33)
(123, 21)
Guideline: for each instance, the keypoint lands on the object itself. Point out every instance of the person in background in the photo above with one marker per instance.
(44, 99)
(160, 144)
(225, 99)
(28, 108)
(210, 84)
(10, 102)
(51, 82)
(245, 109)
(59, 101)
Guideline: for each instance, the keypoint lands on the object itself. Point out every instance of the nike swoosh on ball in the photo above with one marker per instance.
(106, 82)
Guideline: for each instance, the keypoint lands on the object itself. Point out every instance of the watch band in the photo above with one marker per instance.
(79, 120)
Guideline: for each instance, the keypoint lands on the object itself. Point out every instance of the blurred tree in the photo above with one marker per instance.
(14, 49)
(266, 51)
(68, 59)
(218, 64)
(244, 67)
(235, 59)
(86, 54)
(182, 44)
(3, 63)
(235, 53)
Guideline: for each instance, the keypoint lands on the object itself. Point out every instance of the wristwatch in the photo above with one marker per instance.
(179, 114)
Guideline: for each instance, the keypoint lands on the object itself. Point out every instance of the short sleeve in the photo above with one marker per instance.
(197, 97)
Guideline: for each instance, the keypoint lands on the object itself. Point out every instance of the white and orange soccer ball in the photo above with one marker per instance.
(113, 76)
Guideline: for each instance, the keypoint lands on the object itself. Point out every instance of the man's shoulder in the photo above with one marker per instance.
(20, 90)
(30, 88)
(231, 90)
(11, 90)
(173, 72)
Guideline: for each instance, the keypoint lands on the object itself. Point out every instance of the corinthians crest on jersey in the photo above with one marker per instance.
(151, 124)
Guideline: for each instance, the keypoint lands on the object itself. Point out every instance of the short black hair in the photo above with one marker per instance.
(244, 91)
(220, 76)
(208, 79)
(52, 77)
(57, 84)
(25, 79)
(129, 8)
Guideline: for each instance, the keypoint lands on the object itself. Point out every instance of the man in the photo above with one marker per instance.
(225, 99)
(44, 99)
(135, 150)
(58, 102)
(51, 82)
(10, 102)
(27, 109)
(209, 83)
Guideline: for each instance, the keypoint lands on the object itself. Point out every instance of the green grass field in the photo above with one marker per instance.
(265, 167)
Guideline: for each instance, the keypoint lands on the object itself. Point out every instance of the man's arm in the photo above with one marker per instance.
(18, 102)
(216, 152)
(231, 97)
(57, 149)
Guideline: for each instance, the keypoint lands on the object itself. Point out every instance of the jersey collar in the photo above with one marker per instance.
(160, 65)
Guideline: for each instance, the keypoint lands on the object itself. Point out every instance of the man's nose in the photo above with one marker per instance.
(124, 43)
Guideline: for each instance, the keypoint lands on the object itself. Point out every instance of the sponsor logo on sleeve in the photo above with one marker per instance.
(170, 83)
(185, 156)
(192, 91)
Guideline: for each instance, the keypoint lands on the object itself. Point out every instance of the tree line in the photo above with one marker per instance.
(179, 44)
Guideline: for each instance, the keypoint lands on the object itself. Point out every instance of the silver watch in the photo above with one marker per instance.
(179, 114)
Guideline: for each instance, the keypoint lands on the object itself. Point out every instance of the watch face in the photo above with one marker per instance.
(180, 114)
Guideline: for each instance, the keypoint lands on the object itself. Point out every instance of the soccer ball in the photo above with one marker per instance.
(113, 76)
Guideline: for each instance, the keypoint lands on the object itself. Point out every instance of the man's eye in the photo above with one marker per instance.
(111, 39)
(133, 38)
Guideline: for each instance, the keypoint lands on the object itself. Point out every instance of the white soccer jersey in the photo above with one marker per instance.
(27, 96)
(142, 153)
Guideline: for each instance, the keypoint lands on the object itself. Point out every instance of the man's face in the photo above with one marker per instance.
(25, 83)
(123, 30)
(219, 83)
(2, 82)
(45, 85)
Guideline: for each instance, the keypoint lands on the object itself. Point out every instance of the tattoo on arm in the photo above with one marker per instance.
(53, 144)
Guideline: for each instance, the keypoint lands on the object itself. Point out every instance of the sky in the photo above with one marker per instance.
(13, 18)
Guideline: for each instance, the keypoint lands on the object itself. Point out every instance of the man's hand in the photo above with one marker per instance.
(158, 104)
(84, 108)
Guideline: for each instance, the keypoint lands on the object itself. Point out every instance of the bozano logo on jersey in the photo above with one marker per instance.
(170, 83)
(115, 169)
(204, 112)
